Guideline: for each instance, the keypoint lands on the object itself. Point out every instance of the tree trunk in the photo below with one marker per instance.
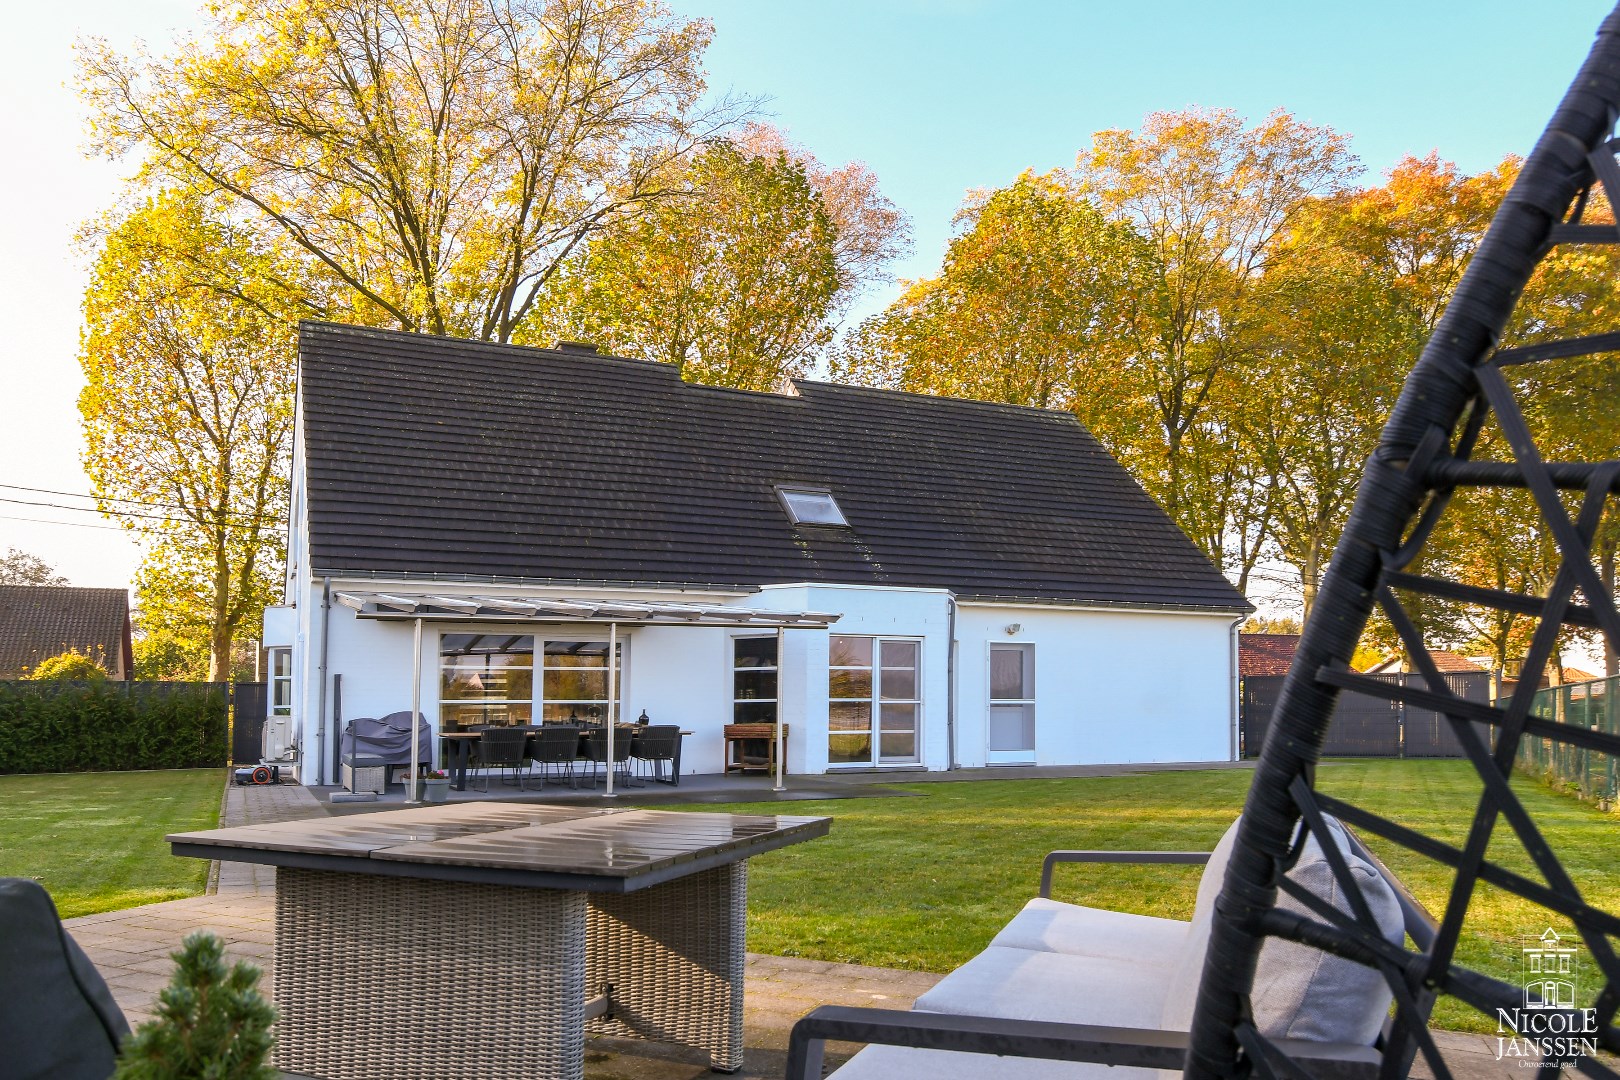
(220, 629)
(1310, 577)
(1611, 660)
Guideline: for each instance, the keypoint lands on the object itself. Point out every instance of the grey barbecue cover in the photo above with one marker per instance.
(388, 739)
(57, 1018)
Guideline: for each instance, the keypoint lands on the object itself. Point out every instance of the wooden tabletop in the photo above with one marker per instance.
(604, 849)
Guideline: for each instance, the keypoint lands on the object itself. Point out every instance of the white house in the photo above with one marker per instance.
(953, 583)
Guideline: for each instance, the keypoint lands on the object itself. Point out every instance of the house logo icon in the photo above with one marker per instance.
(1549, 962)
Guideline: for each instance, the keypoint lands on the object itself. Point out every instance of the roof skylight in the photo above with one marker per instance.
(810, 506)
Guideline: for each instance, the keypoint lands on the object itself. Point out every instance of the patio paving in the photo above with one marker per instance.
(132, 947)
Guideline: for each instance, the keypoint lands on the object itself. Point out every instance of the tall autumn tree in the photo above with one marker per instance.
(869, 231)
(733, 281)
(1035, 296)
(1333, 343)
(1211, 197)
(189, 362)
(441, 160)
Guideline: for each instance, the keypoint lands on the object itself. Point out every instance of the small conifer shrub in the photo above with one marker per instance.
(211, 1024)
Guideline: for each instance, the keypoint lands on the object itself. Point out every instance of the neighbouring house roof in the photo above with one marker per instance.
(1265, 654)
(436, 456)
(41, 621)
(1449, 663)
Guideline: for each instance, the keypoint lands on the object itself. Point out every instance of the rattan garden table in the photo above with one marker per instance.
(483, 941)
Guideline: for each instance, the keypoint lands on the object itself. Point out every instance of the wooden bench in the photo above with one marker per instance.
(1062, 976)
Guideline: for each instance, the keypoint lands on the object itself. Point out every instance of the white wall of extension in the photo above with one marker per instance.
(1110, 686)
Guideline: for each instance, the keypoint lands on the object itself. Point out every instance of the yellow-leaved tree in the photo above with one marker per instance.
(189, 360)
(441, 160)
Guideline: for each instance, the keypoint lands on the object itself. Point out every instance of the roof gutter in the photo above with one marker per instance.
(534, 582)
(1102, 605)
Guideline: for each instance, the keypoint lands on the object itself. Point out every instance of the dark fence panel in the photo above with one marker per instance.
(51, 726)
(249, 701)
(1259, 701)
(1429, 734)
(1367, 726)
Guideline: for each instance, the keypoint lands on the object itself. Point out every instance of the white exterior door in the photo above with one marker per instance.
(1010, 725)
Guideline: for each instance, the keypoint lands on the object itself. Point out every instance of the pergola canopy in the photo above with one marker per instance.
(415, 605)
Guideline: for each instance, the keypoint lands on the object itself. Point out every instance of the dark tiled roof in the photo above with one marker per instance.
(41, 621)
(1266, 654)
(430, 455)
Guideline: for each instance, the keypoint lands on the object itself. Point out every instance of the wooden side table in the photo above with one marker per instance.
(742, 747)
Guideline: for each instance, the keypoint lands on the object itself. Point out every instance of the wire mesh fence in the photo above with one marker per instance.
(1591, 774)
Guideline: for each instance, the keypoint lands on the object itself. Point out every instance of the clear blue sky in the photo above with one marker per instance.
(937, 97)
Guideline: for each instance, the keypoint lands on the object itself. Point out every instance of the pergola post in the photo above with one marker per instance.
(612, 692)
(781, 748)
(412, 791)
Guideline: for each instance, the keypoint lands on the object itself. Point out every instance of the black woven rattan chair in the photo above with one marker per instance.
(503, 748)
(556, 746)
(654, 746)
(596, 751)
(1425, 457)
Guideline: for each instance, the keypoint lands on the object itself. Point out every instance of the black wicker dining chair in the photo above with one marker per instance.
(503, 749)
(556, 748)
(596, 752)
(654, 747)
(1433, 451)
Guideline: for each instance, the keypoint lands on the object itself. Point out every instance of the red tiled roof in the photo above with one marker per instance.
(1452, 662)
(1265, 654)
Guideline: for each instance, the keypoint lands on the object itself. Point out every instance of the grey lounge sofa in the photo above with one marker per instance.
(1065, 964)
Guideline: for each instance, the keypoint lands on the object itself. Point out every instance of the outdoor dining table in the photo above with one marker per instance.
(484, 940)
(460, 744)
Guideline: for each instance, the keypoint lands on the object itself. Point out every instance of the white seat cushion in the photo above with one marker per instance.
(1022, 984)
(1189, 967)
(1053, 926)
(902, 1063)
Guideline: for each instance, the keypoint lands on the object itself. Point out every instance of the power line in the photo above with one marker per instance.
(69, 524)
(168, 518)
(103, 498)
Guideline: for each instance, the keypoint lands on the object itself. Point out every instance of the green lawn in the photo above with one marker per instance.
(95, 840)
(926, 882)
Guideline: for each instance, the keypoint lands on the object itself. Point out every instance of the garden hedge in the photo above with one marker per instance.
(95, 726)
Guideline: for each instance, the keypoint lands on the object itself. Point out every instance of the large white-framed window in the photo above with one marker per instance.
(489, 679)
(753, 680)
(874, 691)
(1010, 735)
